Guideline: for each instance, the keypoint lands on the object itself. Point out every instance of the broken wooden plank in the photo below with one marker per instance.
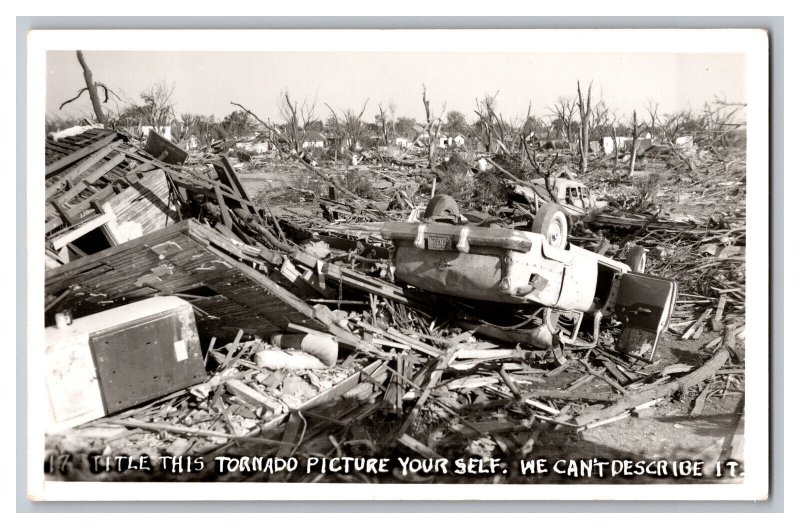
(83, 229)
(252, 396)
(511, 383)
(164, 427)
(68, 178)
(363, 282)
(697, 324)
(290, 435)
(83, 184)
(417, 447)
(716, 341)
(716, 323)
(655, 391)
(700, 401)
(433, 379)
(223, 209)
(80, 153)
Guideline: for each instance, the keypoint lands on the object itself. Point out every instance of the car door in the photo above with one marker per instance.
(644, 304)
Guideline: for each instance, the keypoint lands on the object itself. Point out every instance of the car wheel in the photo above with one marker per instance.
(442, 206)
(551, 221)
(636, 259)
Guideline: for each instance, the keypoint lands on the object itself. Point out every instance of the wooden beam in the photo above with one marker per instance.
(223, 209)
(80, 153)
(96, 175)
(83, 229)
(70, 176)
(434, 378)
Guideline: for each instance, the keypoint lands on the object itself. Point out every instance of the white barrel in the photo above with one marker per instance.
(324, 347)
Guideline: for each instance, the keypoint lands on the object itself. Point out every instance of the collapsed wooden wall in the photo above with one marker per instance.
(190, 259)
(146, 203)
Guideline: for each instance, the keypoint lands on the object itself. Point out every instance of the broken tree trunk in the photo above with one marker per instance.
(634, 141)
(90, 86)
(584, 108)
(629, 402)
(431, 145)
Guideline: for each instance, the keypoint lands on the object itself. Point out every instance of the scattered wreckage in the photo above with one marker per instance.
(303, 333)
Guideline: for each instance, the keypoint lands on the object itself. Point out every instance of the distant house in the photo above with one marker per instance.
(623, 143)
(458, 140)
(608, 143)
(449, 142)
(402, 142)
(254, 146)
(312, 140)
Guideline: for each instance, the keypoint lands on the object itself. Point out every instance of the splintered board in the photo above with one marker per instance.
(226, 288)
(146, 202)
(79, 170)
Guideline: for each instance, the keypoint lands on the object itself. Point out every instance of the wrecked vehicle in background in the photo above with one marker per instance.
(575, 198)
(537, 287)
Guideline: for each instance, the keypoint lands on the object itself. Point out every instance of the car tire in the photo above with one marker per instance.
(551, 222)
(442, 206)
(636, 259)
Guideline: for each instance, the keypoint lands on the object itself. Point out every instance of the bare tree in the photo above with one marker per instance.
(563, 112)
(634, 145)
(156, 108)
(91, 87)
(392, 116)
(527, 127)
(187, 123)
(612, 118)
(600, 119)
(548, 173)
(296, 116)
(383, 120)
(484, 125)
(716, 123)
(431, 121)
(652, 112)
(585, 110)
(493, 129)
(347, 128)
(354, 125)
(87, 77)
(677, 124)
(337, 131)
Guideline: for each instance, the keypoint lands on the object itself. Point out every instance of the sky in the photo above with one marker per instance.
(206, 82)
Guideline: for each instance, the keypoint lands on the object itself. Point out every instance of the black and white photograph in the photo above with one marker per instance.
(478, 264)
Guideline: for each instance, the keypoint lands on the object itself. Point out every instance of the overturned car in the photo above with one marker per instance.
(542, 290)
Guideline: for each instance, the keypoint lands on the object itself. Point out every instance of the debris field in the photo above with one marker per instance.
(311, 347)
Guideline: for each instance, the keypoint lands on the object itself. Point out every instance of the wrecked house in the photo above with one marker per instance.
(623, 143)
(95, 200)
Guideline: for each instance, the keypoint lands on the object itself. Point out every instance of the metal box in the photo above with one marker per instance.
(162, 149)
(113, 360)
